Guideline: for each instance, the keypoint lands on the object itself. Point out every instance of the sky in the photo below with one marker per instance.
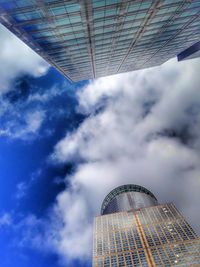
(64, 146)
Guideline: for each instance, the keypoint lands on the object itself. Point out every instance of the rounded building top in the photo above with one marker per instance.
(122, 189)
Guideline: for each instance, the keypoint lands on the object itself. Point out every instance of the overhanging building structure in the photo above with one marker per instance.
(135, 230)
(86, 39)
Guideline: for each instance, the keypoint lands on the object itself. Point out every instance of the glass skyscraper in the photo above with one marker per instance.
(85, 39)
(191, 52)
(135, 230)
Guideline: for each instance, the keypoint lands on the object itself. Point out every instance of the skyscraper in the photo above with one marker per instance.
(135, 230)
(85, 39)
(191, 52)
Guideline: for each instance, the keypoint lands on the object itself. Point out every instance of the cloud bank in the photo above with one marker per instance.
(143, 128)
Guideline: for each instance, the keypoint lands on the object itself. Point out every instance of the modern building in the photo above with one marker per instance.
(135, 230)
(86, 39)
(191, 52)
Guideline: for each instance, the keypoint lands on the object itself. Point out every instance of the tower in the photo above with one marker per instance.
(86, 39)
(135, 230)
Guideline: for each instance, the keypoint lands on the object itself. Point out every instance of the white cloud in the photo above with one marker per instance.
(23, 117)
(34, 121)
(17, 59)
(46, 96)
(73, 226)
(25, 127)
(142, 129)
(5, 220)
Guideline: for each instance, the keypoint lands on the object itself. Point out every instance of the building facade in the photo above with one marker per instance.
(142, 232)
(86, 39)
(191, 52)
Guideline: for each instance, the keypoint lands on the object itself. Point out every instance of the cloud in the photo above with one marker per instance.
(76, 221)
(5, 220)
(34, 121)
(44, 97)
(17, 59)
(142, 128)
(21, 190)
(25, 127)
(30, 111)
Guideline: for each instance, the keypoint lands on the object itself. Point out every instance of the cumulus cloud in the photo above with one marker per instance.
(17, 59)
(142, 128)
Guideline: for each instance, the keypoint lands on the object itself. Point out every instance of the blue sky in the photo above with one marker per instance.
(64, 146)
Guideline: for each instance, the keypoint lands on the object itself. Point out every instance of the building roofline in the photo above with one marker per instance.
(122, 189)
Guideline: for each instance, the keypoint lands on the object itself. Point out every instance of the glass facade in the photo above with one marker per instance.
(92, 38)
(127, 197)
(191, 52)
(150, 236)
